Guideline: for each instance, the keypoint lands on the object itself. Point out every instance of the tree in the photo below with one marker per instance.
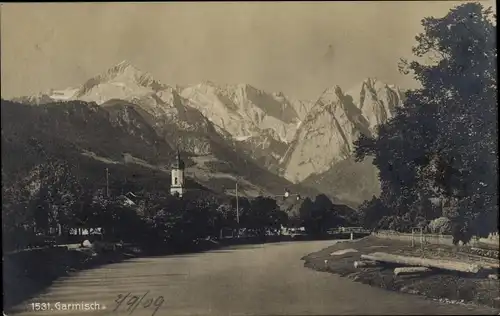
(200, 218)
(305, 214)
(443, 141)
(17, 216)
(226, 216)
(320, 215)
(263, 213)
(164, 216)
(243, 203)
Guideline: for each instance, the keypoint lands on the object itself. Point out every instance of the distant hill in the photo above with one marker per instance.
(351, 182)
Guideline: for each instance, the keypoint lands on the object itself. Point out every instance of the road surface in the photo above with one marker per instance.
(245, 280)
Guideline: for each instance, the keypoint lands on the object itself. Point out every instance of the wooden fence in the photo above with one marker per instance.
(419, 238)
(358, 230)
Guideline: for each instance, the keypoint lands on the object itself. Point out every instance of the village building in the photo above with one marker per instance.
(177, 187)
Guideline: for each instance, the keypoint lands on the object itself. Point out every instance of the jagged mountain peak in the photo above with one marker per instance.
(247, 87)
(333, 88)
(371, 80)
(207, 82)
(125, 66)
(373, 84)
(331, 93)
(225, 89)
(336, 120)
(122, 75)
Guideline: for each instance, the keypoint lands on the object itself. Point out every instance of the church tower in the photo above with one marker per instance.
(177, 186)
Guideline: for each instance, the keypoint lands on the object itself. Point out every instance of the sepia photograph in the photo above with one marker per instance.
(249, 158)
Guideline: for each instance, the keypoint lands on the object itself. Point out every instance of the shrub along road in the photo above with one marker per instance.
(268, 279)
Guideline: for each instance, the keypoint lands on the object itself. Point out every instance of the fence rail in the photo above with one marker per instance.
(436, 239)
(358, 230)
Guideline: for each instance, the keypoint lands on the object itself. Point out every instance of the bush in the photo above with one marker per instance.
(441, 225)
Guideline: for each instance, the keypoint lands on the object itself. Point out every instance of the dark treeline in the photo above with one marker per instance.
(56, 200)
(438, 155)
(320, 214)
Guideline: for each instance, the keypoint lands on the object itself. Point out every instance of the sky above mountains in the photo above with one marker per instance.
(297, 48)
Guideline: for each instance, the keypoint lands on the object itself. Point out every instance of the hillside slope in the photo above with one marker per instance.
(350, 181)
(119, 135)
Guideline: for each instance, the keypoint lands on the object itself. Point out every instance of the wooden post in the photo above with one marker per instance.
(421, 239)
(413, 237)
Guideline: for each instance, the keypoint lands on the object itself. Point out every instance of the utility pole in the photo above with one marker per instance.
(237, 206)
(107, 182)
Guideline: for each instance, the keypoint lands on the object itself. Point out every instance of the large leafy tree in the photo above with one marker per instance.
(305, 213)
(443, 142)
(319, 215)
(263, 213)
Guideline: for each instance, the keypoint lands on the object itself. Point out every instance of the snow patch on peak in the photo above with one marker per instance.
(120, 81)
(66, 94)
(123, 63)
(242, 138)
(242, 109)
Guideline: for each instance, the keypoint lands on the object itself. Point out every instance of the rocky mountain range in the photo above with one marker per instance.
(239, 125)
(335, 121)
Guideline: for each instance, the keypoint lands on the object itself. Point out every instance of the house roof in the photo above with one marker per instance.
(126, 201)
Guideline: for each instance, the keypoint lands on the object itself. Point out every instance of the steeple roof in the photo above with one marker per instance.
(178, 163)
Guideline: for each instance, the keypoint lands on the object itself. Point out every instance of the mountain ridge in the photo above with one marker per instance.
(335, 121)
(285, 136)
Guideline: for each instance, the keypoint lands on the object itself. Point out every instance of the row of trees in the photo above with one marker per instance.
(54, 198)
(441, 146)
(322, 214)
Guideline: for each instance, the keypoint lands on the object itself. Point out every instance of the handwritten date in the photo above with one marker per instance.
(131, 302)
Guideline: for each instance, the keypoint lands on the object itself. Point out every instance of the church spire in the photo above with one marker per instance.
(177, 174)
(178, 164)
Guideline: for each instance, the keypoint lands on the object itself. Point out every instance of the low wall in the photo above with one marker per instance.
(435, 239)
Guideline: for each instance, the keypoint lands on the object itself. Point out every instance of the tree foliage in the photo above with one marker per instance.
(443, 141)
(321, 214)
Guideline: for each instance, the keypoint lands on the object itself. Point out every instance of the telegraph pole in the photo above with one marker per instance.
(237, 205)
(107, 182)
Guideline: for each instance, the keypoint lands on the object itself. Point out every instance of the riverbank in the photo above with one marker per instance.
(446, 287)
(28, 272)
